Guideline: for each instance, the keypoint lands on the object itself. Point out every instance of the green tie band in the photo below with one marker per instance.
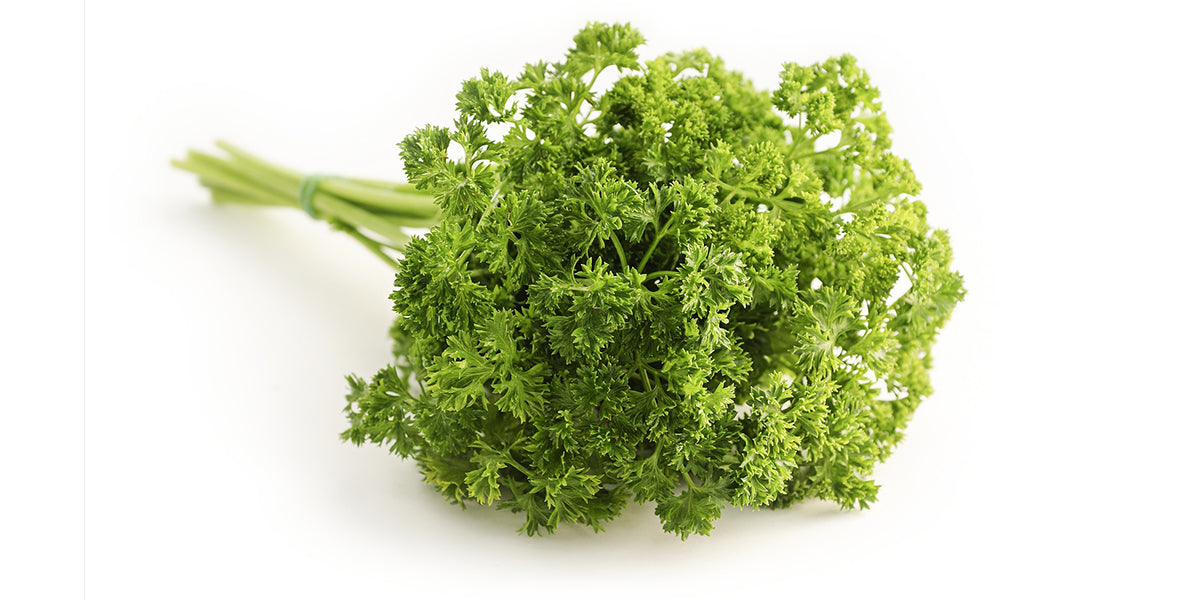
(308, 188)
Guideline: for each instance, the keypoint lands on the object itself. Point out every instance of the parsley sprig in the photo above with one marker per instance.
(679, 289)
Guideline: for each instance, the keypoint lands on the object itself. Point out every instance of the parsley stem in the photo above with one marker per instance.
(654, 244)
(801, 141)
(372, 212)
(818, 152)
(620, 252)
(371, 195)
(375, 247)
(516, 464)
(688, 478)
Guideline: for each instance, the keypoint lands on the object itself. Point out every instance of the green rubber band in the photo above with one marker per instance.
(308, 188)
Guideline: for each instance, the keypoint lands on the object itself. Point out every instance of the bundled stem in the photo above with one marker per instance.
(373, 212)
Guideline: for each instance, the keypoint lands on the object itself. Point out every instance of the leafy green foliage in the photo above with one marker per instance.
(661, 292)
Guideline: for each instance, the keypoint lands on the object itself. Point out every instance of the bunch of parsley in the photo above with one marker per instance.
(679, 290)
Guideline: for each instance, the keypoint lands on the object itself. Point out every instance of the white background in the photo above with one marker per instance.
(1056, 142)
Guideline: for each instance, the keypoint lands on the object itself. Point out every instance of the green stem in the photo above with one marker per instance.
(372, 212)
(620, 251)
(374, 246)
(799, 141)
(373, 195)
(653, 245)
(819, 152)
(688, 478)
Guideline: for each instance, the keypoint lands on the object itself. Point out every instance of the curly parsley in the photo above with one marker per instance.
(679, 290)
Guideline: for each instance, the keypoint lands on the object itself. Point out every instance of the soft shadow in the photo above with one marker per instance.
(280, 244)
